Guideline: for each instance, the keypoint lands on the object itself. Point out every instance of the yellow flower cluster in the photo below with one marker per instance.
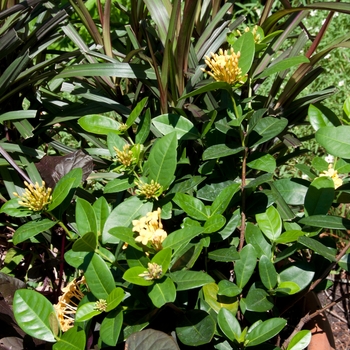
(35, 197)
(150, 229)
(224, 66)
(333, 174)
(101, 305)
(68, 303)
(254, 32)
(153, 272)
(149, 191)
(125, 157)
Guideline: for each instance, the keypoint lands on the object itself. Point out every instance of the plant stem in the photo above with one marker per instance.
(243, 203)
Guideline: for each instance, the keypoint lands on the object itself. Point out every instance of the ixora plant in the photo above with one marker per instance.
(184, 235)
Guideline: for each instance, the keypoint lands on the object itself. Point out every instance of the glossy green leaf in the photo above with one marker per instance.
(326, 221)
(99, 124)
(13, 208)
(111, 327)
(162, 160)
(120, 184)
(335, 140)
(270, 223)
(99, 277)
(143, 128)
(300, 341)
(229, 324)
(31, 229)
(224, 254)
(264, 162)
(163, 258)
(87, 243)
(181, 237)
(122, 215)
(221, 150)
(135, 113)
(14, 115)
(162, 291)
(61, 191)
(32, 319)
(136, 257)
(184, 128)
(257, 300)
(85, 217)
(245, 44)
(114, 298)
(289, 236)
(75, 259)
(228, 288)
(319, 196)
(125, 234)
(132, 275)
(318, 119)
(342, 166)
(102, 211)
(267, 272)
(255, 237)
(73, 339)
(346, 106)
(189, 279)
(86, 311)
(266, 129)
(293, 191)
(210, 292)
(244, 267)
(288, 287)
(280, 66)
(196, 328)
(318, 247)
(214, 223)
(191, 205)
(222, 201)
(264, 331)
(300, 273)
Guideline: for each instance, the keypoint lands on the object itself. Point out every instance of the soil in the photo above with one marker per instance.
(338, 315)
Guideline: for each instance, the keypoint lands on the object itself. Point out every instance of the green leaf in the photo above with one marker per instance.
(196, 328)
(32, 319)
(221, 150)
(162, 291)
(326, 221)
(132, 275)
(319, 196)
(184, 128)
(270, 223)
(87, 243)
(255, 237)
(318, 247)
(191, 205)
(143, 128)
(73, 339)
(120, 184)
(162, 160)
(122, 215)
(229, 324)
(125, 234)
(102, 211)
(245, 44)
(335, 140)
(13, 208)
(31, 229)
(136, 112)
(318, 119)
(111, 327)
(266, 129)
(267, 272)
(244, 267)
(264, 331)
(293, 191)
(257, 300)
(188, 279)
(300, 340)
(288, 287)
(214, 223)
(181, 237)
(228, 289)
(85, 217)
(163, 258)
(27, 114)
(61, 191)
(263, 162)
(222, 201)
(86, 311)
(280, 66)
(289, 236)
(76, 259)
(300, 273)
(114, 298)
(99, 277)
(224, 254)
(99, 124)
